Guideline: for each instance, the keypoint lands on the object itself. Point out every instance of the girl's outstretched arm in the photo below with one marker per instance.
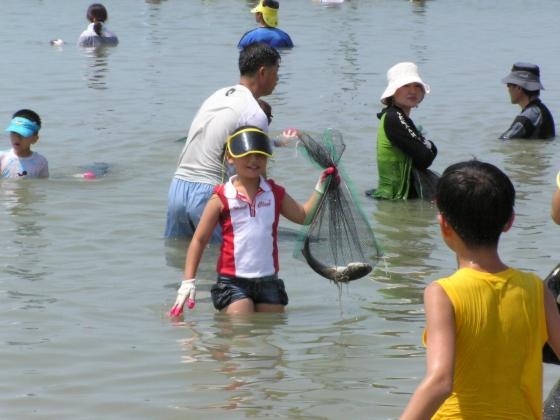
(300, 214)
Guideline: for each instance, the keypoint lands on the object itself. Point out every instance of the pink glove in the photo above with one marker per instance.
(187, 292)
(330, 173)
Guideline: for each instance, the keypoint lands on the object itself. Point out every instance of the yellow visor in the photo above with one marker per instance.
(249, 140)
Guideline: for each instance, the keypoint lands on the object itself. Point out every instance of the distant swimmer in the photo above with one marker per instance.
(329, 1)
(92, 171)
(266, 15)
(97, 34)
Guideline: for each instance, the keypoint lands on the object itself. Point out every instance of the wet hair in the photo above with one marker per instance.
(256, 55)
(29, 114)
(477, 199)
(97, 13)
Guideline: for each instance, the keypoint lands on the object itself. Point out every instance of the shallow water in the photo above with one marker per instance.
(86, 277)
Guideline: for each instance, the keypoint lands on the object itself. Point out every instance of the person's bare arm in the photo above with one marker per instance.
(297, 212)
(440, 356)
(552, 321)
(301, 214)
(202, 235)
(555, 211)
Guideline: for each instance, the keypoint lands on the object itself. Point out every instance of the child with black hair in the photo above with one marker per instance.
(248, 208)
(20, 161)
(97, 34)
(486, 324)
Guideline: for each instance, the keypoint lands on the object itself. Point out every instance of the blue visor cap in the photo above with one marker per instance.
(249, 140)
(23, 126)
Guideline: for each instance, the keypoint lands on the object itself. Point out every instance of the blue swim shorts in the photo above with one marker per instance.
(268, 289)
(185, 204)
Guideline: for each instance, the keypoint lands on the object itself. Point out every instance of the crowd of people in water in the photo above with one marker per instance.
(220, 192)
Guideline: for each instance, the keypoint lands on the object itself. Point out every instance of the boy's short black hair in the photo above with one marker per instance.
(256, 55)
(29, 114)
(477, 199)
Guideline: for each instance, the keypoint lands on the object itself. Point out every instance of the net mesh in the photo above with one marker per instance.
(338, 243)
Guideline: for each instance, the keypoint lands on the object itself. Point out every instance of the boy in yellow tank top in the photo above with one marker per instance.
(486, 324)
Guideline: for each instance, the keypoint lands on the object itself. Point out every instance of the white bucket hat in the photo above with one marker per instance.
(399, 75)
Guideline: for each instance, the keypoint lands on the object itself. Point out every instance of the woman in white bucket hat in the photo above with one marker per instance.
(403, 154)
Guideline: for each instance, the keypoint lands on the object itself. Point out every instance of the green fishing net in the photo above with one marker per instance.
(338, 243)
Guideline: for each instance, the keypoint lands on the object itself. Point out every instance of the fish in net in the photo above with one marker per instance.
(338, 243)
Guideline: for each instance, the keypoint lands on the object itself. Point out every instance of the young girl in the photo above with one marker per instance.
(247, 207)
(401, 148)
(97, 34)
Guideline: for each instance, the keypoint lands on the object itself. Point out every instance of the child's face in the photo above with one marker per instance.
(252, 165)
(409, 96)
(22, 145)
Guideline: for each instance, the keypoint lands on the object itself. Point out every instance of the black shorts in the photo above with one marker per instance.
(268, 289)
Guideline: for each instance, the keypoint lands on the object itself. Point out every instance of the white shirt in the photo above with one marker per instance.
(13, 166)
(218, 117)
(89, 37)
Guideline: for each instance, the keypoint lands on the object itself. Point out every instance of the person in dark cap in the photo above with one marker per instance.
(535, 120)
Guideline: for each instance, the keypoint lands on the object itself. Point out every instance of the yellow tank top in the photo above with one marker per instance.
(501, 328)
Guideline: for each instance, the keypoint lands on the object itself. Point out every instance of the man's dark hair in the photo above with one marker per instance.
(477, 199)
(29, 114)
(256, 55)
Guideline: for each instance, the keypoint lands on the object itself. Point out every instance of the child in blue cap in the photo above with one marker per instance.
(20, 161)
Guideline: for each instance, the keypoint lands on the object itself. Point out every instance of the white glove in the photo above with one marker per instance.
(187, 292)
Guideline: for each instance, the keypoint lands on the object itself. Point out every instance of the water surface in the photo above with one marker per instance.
(86, 277)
